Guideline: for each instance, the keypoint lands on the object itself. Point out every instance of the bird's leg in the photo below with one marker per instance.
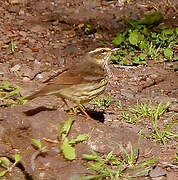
(71, 111)
(84, 112)
(68, 108)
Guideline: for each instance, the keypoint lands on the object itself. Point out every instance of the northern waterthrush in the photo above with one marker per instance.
(82, 82)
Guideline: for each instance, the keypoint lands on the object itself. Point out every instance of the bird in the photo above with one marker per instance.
(82, 82)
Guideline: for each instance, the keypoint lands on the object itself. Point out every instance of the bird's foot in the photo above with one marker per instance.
(84, 112)
(72, 111)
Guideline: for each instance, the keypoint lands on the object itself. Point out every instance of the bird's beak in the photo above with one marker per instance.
(115, 49)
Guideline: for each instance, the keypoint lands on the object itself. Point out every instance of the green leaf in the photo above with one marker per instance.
(142, 56)
(152, 19)
(89, 157)
(176, 30)
(135, 37)
(145, 31)
(44, 149)
(118, 39)
(146, 163)
(94, 166)
(68, 150)
(136, 60)
(110, 156)
(5, 85)
(99, 159)
(141, 173)
(22, 101)
(5, 161)
(142, 45)
(168, 32)
(3, 173)
(80, 138)
(37, 143)
(91, 177)
(176, 155)
(66, 127)
(60, 130)
(131, 22)
(14, 92)
(168, 53)
(18, 158)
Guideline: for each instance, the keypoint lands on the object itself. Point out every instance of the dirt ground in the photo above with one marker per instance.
(49, 37)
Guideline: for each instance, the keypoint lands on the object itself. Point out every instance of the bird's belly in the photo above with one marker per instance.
(82, 93)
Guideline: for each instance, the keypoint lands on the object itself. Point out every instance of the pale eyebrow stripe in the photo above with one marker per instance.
(98, 49)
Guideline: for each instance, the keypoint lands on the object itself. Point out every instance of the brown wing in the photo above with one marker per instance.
(81, 73)
(47, 90)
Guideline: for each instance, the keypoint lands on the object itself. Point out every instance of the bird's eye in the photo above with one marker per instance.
(103, 51)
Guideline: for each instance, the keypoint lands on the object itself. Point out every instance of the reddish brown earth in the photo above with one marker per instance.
(49, 37)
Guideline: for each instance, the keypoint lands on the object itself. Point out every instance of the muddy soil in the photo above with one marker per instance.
(49, 37)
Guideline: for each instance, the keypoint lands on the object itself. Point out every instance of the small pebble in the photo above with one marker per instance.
(157, 172)
(26, 79)
(15, 68)
(39, 76)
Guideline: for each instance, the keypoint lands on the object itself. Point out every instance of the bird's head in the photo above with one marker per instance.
(100, 55)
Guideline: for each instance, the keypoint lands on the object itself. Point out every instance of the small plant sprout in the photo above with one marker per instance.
(41, 150)
(119, 104)
(142, 110)
(176, 156)
(10, 95)
(135, 115)
(90, 29)
(115, 167)
(127, 117)
(103, 101)
(6, 163)
(140, 43)
(13, 46)
(37, 143)
(132, 156)
(165, 134)
(102, 166)
(67, 145)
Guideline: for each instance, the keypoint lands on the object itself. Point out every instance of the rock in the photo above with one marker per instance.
(39, 76)
(71, 49)
(18, 1)
(172, 175)
(26, 79)
(4, 68)
(98, 36)
(164, 99)
(37, 29)
(157, 172)
(61, 61)
(15, 68)
(44, 76)
(23, 33)
(29, 56)
(27, 72)
(36, 62)
(14, 9)
(127, 93)
(173, 107)
(2, 131)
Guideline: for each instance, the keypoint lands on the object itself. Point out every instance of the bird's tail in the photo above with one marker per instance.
(34, 95)
(50, 89)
